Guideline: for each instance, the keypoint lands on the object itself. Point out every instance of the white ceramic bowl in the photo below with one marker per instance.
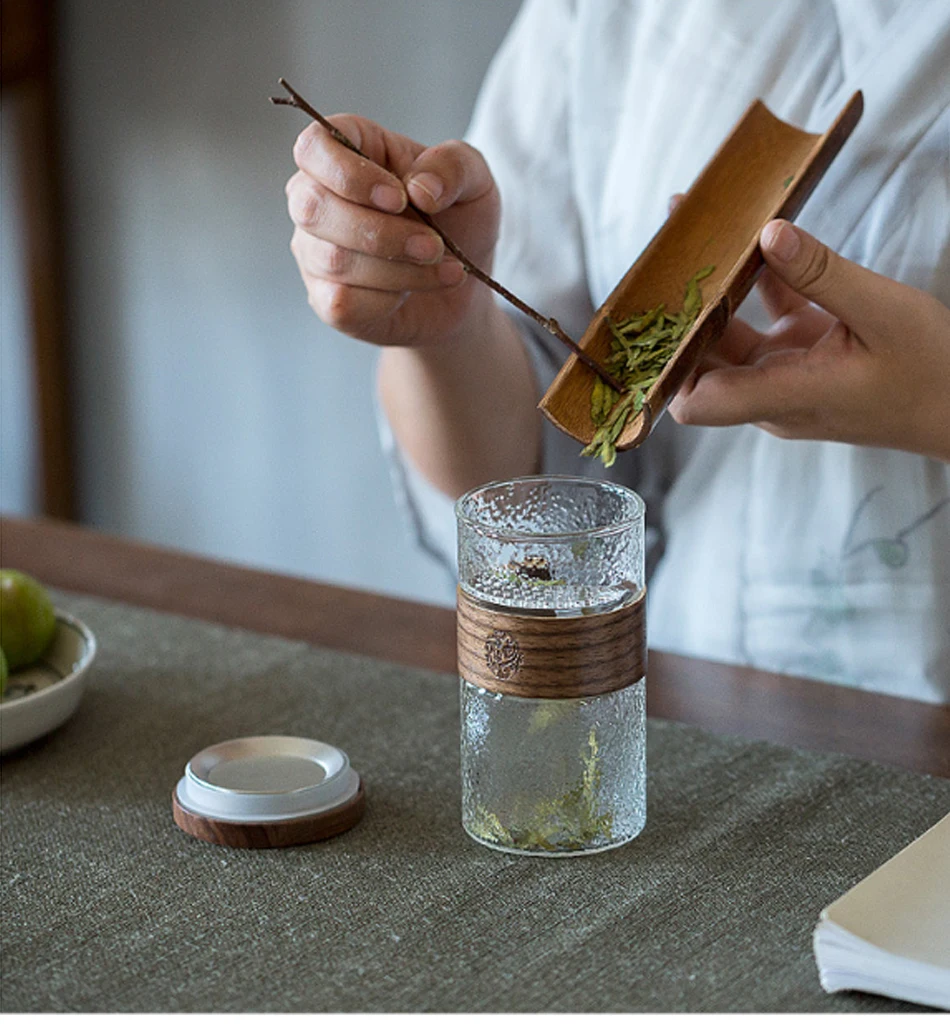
(58, 681)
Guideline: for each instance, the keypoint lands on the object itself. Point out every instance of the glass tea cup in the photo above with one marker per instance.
(552, 657)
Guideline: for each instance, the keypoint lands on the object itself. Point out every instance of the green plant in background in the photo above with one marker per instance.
(641, 346)
(571, 821)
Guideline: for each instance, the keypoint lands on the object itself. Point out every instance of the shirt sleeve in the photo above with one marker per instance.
(430, 513)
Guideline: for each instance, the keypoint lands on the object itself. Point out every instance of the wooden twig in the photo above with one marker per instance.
(551, 325)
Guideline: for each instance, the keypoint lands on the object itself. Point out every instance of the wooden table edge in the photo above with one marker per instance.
(725, 699)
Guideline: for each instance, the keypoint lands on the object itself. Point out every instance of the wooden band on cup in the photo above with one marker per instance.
(551, 657)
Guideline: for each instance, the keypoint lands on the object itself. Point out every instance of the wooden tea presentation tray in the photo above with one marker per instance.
(765, 169)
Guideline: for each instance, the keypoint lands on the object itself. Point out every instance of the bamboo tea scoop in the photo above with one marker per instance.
(765, 169)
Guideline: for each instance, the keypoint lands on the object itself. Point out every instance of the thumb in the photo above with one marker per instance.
(851, 293)
(448, 173)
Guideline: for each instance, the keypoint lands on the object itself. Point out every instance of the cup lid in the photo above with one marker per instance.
(296, 788)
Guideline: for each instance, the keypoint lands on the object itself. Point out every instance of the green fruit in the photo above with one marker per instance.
(4, 672)
(27, 619)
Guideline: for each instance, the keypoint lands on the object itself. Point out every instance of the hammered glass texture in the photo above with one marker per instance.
(553, 777)
(541, 776)
(588, 535)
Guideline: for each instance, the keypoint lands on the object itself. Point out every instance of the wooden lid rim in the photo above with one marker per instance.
(298, 830)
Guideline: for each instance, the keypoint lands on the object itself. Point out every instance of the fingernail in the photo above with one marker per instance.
(781, 241)
(353, 132)
(430, 184)
(388, 198)
(451, 272)
(423, 247)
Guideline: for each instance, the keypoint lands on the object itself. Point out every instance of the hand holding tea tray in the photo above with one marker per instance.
(709, 249)
(851, 356)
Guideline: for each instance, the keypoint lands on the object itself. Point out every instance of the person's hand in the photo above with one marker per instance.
(372, 269)
(852, 356)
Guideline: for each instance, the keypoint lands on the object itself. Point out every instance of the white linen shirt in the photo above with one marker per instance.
(811, 558)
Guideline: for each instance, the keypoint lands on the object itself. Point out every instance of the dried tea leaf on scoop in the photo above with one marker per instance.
(641, 345)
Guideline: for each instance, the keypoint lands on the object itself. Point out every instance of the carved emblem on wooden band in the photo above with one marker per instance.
(503, 654)
(549, 657)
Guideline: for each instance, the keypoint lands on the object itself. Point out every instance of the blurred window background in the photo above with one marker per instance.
(150, 302)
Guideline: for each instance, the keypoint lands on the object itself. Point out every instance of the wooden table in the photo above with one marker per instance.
(721, 698)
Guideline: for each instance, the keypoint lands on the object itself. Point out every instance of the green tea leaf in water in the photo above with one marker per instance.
(486, 825)
(574, 820)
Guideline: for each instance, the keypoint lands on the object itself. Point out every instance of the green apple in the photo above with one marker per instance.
(27, 619)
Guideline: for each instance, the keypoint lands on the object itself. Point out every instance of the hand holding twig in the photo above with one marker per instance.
(551, 325)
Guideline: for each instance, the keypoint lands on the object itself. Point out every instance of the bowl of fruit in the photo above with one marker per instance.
(45, 655)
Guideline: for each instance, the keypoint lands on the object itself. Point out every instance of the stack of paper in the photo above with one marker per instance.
(890, 934)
